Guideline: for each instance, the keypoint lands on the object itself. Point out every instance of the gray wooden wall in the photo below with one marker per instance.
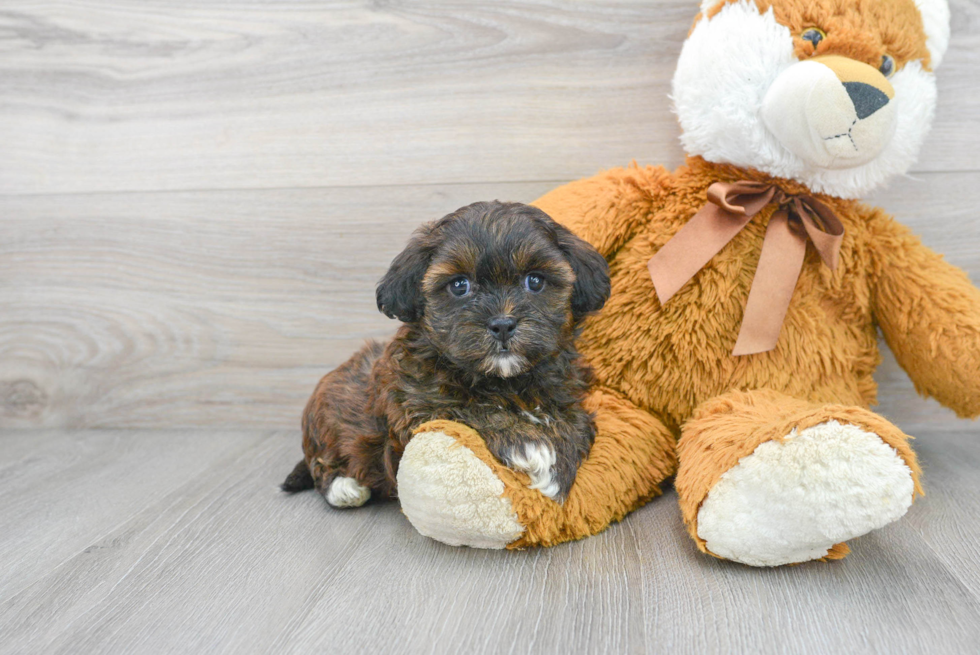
(198, 196)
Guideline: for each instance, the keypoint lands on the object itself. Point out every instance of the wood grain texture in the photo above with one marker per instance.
(224, 308)
(85, 486)
(947, 518)
(218, 560)
(183, 308)
(196, 200)
(126, 95)
(217, 308)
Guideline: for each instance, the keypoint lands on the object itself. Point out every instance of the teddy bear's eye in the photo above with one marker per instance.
(814, 35)
(887, 66)
(459, 286)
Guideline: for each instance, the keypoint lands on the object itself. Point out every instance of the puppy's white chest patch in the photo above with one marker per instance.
(507, 365)
(538, 461)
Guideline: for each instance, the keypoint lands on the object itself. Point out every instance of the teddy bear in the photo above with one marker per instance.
(737, 349)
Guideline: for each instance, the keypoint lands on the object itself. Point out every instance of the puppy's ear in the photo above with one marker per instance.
(399, 292)
(592, 287)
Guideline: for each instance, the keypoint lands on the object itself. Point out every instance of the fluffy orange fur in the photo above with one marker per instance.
(732, 426)
(670, 396)
(666, 372)
(672, 365)
(632, 453)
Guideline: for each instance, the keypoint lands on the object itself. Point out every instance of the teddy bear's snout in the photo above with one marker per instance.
(832, 111)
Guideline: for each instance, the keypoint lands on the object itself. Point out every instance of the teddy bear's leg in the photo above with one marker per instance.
(765, 479)
(452, 489)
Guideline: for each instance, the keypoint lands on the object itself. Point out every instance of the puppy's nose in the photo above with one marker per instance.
(867, 99)
(502, 328)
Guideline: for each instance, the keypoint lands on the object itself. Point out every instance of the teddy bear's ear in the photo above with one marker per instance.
(399, 292)
(935, 21)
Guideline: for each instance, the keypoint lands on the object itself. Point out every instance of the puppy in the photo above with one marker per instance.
(491, 297)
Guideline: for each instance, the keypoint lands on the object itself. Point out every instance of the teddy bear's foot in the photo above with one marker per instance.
(454, 490)
(766, 479)
(793, 500)
(448, 494)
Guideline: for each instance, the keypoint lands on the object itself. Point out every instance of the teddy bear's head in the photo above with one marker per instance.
(835, 94)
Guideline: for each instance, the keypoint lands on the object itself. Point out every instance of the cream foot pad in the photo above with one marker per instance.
(791, 501)
(448, 494)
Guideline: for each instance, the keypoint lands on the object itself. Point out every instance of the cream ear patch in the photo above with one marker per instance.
(935, 21)
(708, 5)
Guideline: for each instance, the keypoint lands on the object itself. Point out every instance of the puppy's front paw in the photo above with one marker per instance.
(538, 461)
(346, 492)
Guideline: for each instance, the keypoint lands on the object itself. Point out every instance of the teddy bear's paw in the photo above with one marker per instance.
(792, 500)
(448, 494)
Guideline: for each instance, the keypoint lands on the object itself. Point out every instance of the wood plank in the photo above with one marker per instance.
(64, 491)
(224, 308)
(153, 95)
(227, 563)
(946, 517)
(880, 599)
(218, 308)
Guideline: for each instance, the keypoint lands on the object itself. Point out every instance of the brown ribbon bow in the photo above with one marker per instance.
(730, 208)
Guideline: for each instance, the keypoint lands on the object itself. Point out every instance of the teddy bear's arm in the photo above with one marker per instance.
(453, 489)
(929, 313)
(607, 209)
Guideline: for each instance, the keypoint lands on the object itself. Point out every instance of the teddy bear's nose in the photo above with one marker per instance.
(866, 98)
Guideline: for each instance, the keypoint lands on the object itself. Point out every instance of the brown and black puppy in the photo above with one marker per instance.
(491, 297)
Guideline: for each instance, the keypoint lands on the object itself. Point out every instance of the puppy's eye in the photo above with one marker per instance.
(814, 35)
(887, 66)
(533, 282)
(459, 286)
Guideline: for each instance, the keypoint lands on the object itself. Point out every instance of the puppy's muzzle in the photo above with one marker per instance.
(502, 328)
(831, 111)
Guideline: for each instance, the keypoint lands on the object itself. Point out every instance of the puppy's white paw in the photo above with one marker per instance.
(347, 492)
(538, 461)
(791, 501)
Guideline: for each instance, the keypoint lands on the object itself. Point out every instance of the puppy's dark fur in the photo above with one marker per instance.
(445, 361)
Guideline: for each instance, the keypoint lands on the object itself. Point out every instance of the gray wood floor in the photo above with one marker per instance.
(179, 541)
(196, 200)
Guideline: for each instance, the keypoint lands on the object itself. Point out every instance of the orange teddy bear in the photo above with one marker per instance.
(738, 346)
